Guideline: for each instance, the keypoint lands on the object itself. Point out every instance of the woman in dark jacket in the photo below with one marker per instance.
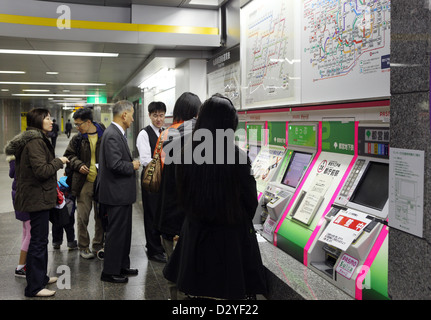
(217, 254)
(36, 173)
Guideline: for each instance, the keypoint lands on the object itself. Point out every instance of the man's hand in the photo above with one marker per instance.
(84, 170)
(136, 164)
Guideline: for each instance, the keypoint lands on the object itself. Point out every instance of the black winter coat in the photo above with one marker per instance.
(220, 261)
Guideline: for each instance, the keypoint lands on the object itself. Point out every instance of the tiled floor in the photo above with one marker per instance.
(85, 282)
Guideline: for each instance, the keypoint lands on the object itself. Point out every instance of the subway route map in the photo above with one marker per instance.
(313, 51)
(345, 49)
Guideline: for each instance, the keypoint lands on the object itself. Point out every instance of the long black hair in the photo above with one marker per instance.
(186, 107)
(211, 191)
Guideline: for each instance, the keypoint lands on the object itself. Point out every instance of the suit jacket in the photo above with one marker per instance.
(116, 178)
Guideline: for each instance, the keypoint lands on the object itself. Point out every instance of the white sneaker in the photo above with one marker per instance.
(86, 253)
(45, 293)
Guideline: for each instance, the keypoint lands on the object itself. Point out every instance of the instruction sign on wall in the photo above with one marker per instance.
(406, 190)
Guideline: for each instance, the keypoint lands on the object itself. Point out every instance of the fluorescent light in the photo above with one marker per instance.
(60, 53)
(51, 72)
(54, 83)
(53, 95)
(12, 72)
(5, 90)
(205, 2)
(35, 90)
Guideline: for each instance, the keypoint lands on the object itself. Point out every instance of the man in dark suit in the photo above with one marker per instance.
(116, 193)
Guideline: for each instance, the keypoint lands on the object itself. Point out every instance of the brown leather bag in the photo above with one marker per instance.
(152, 177)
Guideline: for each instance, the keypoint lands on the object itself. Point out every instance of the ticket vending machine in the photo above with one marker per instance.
(350, 248)
(316, 193)
(266, 164)
(302, 147)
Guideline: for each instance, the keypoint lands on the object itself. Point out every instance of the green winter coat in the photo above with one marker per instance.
(36, 170)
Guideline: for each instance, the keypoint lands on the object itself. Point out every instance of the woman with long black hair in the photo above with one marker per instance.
(217, 255)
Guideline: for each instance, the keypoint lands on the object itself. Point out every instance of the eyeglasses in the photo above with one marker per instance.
(77, 125)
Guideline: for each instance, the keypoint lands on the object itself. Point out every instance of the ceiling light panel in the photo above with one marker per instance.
(53, 83)
(60, 53)
(53, 95)
(12, 72)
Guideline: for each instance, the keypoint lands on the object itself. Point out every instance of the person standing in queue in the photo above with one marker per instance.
(169, 216)
(116, 192)
(217, 255)
(36, 172)
(146, 143)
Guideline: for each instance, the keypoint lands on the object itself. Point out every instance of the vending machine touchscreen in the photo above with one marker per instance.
(253, 151)
(372, 190)
(354, 233)
(278, 193)
(296, 169)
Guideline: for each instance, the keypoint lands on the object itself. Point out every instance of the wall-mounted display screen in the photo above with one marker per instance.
(296, 168)
(372, 189)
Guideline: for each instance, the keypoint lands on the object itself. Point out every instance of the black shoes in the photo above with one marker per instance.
(121, 278)
(113, 278)
(129, 272)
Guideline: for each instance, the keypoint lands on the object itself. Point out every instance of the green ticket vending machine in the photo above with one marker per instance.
(301, 150)
(267, 163)
(350, 247)
(313, 198)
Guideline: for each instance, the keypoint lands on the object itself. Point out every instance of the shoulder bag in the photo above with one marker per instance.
(152, 177)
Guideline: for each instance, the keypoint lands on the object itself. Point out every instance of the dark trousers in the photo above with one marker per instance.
(37, 255)
(53, 141)
(57, 232)
(152, 236)
(118, 239)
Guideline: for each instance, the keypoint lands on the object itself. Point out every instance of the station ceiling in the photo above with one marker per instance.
(114, 72)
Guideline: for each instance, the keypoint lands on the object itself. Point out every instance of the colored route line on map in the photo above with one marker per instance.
(270, 40)
(351, 48)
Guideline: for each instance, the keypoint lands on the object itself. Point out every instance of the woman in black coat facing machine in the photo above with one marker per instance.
(217, 255)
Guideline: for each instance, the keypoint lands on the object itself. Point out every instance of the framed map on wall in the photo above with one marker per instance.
(270, 55)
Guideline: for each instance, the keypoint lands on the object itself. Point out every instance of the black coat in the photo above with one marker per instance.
(220, 261)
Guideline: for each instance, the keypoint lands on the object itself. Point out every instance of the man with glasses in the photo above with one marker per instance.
(146, 143)
(83, 154)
